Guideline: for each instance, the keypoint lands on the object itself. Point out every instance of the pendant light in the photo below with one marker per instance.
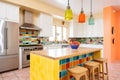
(68, 13)
(91, 19)
(81, 18)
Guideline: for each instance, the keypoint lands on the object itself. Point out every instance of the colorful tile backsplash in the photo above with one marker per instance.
(28, 37)
(90, 40)
(71, 62)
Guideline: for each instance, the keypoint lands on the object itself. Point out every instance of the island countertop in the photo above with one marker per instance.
(62, 53)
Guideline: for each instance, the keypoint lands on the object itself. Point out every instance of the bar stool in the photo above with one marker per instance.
(77, 72)
(92, 66)
(103, 62)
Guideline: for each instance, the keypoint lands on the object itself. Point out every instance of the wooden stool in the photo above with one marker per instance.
(77, 72)
(103, 61)
(92, 66)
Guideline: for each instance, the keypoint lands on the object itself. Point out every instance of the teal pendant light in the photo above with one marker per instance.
(68, 13)
(91, 18)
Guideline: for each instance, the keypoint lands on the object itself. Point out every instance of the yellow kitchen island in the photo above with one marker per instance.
(52, 64)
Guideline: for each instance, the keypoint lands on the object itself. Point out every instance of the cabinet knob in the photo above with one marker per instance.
(113, 41)
(112, 30)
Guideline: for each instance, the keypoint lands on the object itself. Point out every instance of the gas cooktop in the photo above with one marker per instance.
(30, 45)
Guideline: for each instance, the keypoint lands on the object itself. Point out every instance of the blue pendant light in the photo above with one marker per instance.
(91, 19)
(68, 13)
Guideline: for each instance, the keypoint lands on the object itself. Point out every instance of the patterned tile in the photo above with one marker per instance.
(73, 61)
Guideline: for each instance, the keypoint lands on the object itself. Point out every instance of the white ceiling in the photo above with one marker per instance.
(98, 5)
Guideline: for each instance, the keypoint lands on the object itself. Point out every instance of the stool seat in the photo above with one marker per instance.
(101, 60)
(78, 70)
(78, 73)
(92, 64)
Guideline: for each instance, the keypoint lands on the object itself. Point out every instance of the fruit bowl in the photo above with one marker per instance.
(74, 46)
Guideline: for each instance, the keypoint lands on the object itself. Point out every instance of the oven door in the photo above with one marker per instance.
(26, 59)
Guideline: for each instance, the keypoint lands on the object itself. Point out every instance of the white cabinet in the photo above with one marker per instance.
(45, 22)
(9, 12)
(85, 30)
(2, 10)
(76, 29)
(73, 29)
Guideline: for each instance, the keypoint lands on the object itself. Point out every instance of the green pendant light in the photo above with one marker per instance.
(91, 19)
(68, 13)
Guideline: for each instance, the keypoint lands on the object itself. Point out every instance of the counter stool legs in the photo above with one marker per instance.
(99, 73)
(103, 68)
(103, 71)
(93, 75)
(94, 69)
(107, 70)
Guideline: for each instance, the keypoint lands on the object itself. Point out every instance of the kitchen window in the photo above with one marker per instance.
(58, 34)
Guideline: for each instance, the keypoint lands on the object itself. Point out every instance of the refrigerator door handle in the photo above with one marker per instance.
(6, 38)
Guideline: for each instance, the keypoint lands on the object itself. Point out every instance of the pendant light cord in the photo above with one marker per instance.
(68, 7)
(91, 8)
(68, 3)
(81, 5)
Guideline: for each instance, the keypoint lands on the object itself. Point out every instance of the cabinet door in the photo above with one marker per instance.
(46, 23)
(81, 30)
(73, 29)
(12, 13)
(2, 10)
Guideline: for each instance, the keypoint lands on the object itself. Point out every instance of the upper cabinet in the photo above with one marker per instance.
(45, 22)
(9, 12)
(85, 30)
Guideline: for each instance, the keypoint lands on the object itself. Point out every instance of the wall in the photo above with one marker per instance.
(28, 37)
(107, 34)
(111, 19)
(118, 35)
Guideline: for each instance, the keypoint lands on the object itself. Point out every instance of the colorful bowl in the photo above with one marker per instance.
(74, 46)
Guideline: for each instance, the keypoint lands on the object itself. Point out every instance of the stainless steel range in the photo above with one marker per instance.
(24, 55)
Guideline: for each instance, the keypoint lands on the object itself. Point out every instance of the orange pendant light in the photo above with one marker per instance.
(81, 17)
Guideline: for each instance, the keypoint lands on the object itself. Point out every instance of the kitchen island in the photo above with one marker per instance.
(52, 64)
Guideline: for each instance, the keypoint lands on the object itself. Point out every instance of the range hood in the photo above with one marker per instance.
(28, 21)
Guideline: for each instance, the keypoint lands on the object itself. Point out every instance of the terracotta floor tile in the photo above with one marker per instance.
(8, 74)
(10, 78)
(0, 77)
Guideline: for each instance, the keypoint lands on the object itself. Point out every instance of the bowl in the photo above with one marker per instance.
(74, 46)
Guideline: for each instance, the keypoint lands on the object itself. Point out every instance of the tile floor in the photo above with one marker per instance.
(23, 74)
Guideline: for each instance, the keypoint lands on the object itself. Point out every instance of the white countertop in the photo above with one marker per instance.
(92, 45)
(61, 53)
